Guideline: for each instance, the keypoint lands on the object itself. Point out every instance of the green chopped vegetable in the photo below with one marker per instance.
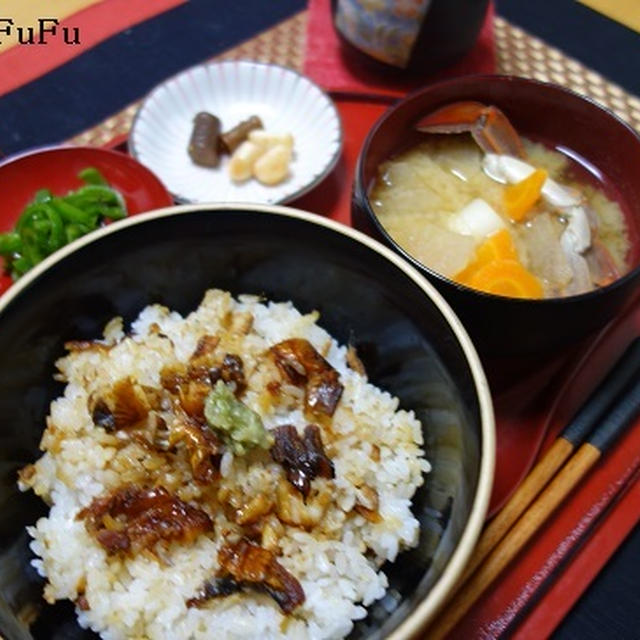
(10, 243)
(49, 222)
(19, 266)
(72, 214)
(74, 231)
(91, 175)
(240, 427)
(114, 213)
(42, 195)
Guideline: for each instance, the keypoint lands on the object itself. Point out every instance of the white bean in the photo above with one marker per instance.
(242, 161)
(273, 166)
(269, 139)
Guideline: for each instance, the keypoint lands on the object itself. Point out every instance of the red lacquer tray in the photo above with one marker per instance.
(533, 401)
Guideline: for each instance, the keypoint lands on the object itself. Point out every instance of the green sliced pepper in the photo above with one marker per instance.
(91, 175)
(75, 231)
(56, 236)
(114, 213)
(42, 195)
(49, 222)
(31, 247)
(10, 242)
(73, 214)
(94, 193)
(31, 214)
(19, 266)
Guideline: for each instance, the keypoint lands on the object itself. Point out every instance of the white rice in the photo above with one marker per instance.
(337, 560)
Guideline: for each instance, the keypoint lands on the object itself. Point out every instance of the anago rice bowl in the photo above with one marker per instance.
(333, 541)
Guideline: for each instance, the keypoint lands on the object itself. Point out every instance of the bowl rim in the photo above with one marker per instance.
(425, 610)
(51, 148)
(70, 148)
(32, 151)
(181, 199)
(360, 190)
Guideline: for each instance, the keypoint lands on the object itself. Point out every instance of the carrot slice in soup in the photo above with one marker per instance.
(506, 278)
(498, 246)
(520, 197)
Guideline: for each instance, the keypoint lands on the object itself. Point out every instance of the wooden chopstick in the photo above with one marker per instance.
(537, 586)
(618, 418)
(625, 369)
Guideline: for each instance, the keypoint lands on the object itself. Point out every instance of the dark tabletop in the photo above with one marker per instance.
(103, 80)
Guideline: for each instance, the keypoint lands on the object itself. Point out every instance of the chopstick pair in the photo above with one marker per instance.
(608, 411)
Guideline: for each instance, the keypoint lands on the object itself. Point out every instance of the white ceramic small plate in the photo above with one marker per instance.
(284, 100)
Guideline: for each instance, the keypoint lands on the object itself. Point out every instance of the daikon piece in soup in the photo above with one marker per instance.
(533, 228)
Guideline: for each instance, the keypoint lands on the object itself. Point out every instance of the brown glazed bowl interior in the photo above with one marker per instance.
(546, 113)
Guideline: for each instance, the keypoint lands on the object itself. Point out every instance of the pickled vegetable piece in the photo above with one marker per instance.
(240, 427)
(203, 144)
(233, 138)
(520, 197)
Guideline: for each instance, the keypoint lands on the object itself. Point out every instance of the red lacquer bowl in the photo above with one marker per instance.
(502, 326)
(57, 168)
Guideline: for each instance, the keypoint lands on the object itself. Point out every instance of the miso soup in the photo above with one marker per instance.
(442, 203)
